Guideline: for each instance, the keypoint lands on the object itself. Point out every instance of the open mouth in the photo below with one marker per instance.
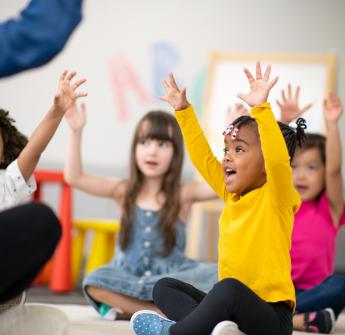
(229, 172)
(151, 163)
(301, 188)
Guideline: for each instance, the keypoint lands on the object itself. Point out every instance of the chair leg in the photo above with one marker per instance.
(77, 254)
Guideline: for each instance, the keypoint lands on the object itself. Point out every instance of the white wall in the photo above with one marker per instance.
(150, 36)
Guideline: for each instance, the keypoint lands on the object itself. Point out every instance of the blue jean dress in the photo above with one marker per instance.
(135, 271)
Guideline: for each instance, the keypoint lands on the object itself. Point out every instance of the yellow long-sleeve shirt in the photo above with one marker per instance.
(254, 229)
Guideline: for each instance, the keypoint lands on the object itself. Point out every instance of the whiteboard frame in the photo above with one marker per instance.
(216, 58)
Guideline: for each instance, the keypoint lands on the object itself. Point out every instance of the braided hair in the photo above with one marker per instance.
(13, 140)
(293, 137)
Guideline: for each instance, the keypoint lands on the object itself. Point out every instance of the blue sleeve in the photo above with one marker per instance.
(40, 32)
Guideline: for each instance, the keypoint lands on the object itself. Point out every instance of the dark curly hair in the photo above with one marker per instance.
(293, 137)
(13, 140)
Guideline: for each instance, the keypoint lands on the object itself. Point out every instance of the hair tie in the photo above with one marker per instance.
(301, 123)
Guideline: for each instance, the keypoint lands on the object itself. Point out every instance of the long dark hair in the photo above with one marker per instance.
(162, 126)
(14, 141)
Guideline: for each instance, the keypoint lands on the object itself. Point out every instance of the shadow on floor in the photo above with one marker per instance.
(42, 294)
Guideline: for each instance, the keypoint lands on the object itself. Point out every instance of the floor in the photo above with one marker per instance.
(83, 320)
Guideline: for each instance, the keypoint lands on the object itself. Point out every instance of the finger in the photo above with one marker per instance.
(172, 81)
(165, 85)
(258, 71)
(249, 75)
(305, 108)
(81, 94)
(163, 98)
(70, 75)
(289, 92)
(273, 82)
(297, 94)
(63, 75)
(242, 96)
(267, 72)
(283, 96)
(279, 104)
(78, 83)
(184, 93)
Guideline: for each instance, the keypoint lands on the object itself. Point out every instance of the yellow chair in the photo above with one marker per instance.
(102, 244)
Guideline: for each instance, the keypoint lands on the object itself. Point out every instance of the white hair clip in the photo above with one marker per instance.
(228, 129)
(234, 133)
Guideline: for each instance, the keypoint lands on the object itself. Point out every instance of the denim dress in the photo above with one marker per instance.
(135, 270)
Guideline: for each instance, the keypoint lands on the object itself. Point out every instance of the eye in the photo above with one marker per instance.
(164, 144)
(312, 167)
(226, 151)
(239, 149)
(144, 141)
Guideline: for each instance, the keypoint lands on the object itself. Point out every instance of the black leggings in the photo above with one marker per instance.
(28, 237)
(198, 313)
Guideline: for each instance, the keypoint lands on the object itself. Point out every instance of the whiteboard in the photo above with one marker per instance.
(314, 74)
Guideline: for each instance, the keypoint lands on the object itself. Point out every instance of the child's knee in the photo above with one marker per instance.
(161, 286)
(229, 287)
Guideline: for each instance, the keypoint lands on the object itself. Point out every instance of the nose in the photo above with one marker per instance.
(228, 158)
(152, 148)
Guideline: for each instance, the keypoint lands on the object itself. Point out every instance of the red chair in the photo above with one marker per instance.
(60, 277)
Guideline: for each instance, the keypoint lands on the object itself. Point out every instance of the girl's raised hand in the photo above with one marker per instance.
(67, 94)
(332, 108)
(76, 118)
(289, 109)
(173, 95)
(259, 86)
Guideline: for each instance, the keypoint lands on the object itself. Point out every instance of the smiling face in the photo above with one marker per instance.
(308, 173)
(243, 162)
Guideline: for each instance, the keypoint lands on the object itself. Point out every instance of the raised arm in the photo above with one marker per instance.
(289, 105)
(65, 96)
(334, 182)
(38, 35)
(196, 143)
(273, 146)
(73, 171)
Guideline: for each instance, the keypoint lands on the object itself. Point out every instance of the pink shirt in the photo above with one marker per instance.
(313, 243)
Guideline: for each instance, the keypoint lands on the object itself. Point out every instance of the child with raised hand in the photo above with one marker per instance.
(154, 205)
(255, 291)
(317, 177)
(18, 156)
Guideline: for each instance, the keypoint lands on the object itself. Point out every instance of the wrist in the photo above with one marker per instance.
(182, 106)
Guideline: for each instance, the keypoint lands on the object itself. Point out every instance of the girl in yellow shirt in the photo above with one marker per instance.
(255, 294)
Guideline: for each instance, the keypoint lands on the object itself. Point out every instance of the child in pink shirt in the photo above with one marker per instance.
(320, 294)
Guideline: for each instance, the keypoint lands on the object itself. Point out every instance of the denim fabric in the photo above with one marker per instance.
(135, 271)
(330, 293)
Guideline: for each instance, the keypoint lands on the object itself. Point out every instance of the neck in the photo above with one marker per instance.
(152, 186)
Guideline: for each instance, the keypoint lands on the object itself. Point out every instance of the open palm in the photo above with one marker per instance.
(289, 105)
(173, 95)
(259, 86)
(67, 94)
(332, 108)
(76, 118)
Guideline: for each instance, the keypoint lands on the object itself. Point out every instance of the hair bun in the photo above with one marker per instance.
(301, 126)
(301, 123)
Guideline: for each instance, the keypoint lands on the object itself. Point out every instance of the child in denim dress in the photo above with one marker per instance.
(154, 207)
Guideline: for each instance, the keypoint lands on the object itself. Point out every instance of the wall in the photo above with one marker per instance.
(128, 47)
